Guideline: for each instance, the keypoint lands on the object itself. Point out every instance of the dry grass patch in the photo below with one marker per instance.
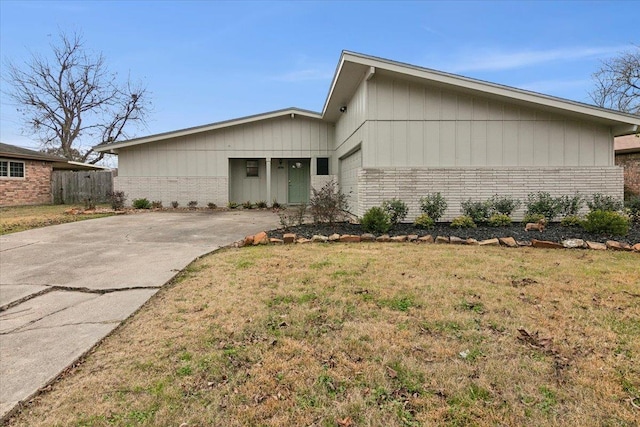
(21, 218)
(370, 335)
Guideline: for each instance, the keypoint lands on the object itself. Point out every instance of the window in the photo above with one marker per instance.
(252, 168)
(11, 169)
(322, 164)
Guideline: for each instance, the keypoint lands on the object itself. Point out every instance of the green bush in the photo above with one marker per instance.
(433, 205)
(192, 204)
(396, 209)
(247, 205)
(606, 222)
(276, 205)
(232, 205)
(543, 204)
(570, 205)
(463, 221)
(117, 199)
(175, 204)
(532, 217)
(499, 220)
(632, 207)
(262, 204)
(376, 220)
(478, 211)
(141, 204)
(424, 221)
(600, 202)
(571, 221)
(211, 205)
(156, 204)
(504, 204)
(328, 204)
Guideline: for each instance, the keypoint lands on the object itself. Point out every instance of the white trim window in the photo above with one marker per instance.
(11, 169)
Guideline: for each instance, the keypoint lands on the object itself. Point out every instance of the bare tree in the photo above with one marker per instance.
(71, 101)
(618, 82)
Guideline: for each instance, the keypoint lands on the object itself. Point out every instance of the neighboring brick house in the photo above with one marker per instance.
(627, 150)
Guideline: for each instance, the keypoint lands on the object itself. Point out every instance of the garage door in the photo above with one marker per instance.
(349, 178)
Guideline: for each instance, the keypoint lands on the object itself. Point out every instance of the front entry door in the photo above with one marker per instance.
(298, 181)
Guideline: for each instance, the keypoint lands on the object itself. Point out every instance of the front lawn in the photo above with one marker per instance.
(21, 218)
(370, 335)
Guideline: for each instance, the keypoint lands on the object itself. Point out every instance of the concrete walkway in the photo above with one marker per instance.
(63, 288)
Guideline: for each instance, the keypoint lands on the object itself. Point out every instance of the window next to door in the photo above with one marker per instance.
(9, 169)
(252, 168)
(322, 166)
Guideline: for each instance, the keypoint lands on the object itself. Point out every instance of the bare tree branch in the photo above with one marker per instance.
(617, 83)
(72, 102)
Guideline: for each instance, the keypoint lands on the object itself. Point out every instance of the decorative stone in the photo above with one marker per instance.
(618, 246)
(509, 242)
(525, 243)
(471, 241)
(367, 237)
(384, 238)
(412, 237)
(349, 238)
(289, 238)
(248, 240)
(596, 246)
(490, 242)
(636, 247)
(261, 238)
(275, 241)
(319, 238)
(455, 240)
(303, 240)
(334, 237)
(399, 239)
(426, 239)
(545, 244)
(442, 239)
(573, 243)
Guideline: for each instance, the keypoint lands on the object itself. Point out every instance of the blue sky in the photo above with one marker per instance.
(209, 61)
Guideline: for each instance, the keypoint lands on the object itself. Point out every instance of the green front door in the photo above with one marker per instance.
(298, 181)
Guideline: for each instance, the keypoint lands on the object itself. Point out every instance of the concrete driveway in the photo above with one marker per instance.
(63, 288)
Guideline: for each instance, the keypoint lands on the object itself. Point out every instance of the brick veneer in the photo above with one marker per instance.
(631, 164)
(459, 184)
(181, 189)
(34, 189)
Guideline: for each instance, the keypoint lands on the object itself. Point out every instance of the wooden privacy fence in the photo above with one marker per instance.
(78, 186)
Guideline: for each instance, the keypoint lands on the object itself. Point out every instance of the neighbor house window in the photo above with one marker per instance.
(9, 169)
(252, 168)
(322, 164)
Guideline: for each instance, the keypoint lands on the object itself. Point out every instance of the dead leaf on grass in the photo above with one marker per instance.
(391, 372)
(523, 282)
(345, 422)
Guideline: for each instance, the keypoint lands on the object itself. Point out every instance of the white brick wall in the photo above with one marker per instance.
(319, 181)
(458, 184)
(182, 189)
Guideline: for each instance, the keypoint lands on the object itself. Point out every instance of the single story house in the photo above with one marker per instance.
(627, 149)
(25, 175)
(387, 129)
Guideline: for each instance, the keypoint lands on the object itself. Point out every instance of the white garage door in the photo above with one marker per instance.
(349, 178)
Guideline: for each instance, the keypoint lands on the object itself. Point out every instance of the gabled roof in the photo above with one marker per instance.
(353, 68)
(15, 152)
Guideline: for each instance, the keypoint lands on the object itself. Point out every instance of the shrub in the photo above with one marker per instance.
(292, 217)
(232, 205)
(600, 202)
(276, 205)
(141, 204)
(499, 220)
(117, 199)
(192, 204)
(89, 204)
(433, 205)
(606, 222)
(632, 207)
(247, 205)
(570, 205)
(175, 204)
(463, 221)
(261, 204)
(211, 205)
(504, 204)
(571, 221)
(543, 204)
(156, 204)
(396, 209)
(376, 220)
(532, 217)
(478, 211)
(424, 221)
(328, 203)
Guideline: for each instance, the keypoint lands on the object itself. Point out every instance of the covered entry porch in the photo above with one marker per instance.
(285, 180)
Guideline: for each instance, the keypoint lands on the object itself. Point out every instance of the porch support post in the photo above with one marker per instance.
(268, 160)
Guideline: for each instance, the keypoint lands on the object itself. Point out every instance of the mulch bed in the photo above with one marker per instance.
(553, 232)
